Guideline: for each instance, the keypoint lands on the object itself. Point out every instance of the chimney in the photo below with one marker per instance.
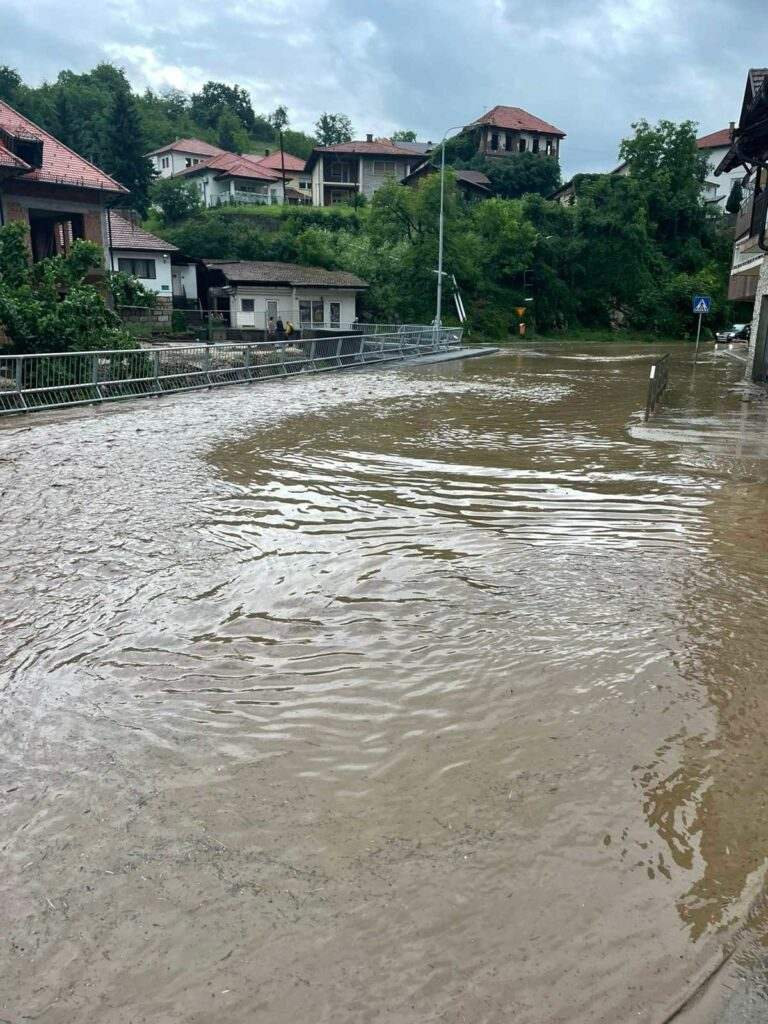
(369, 137)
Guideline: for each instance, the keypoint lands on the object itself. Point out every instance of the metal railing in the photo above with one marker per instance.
(52, 380)
(657, 383)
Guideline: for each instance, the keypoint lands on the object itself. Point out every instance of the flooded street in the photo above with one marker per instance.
(432, 694)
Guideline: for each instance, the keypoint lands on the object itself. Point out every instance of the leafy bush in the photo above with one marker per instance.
(129, 291)
(178, 321)
(49, 306)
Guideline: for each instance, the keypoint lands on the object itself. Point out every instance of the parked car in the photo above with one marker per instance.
(738, 332)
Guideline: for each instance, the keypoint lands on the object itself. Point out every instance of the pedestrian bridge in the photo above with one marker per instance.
(54, 380)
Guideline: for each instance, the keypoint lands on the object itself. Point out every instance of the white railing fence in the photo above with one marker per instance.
(53, 380)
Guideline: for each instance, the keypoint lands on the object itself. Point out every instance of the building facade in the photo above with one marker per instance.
(181, 155)
(339, 173)
(58, 195)
(253, 292)
(507, 131)
(229, 178)
(748, 156)
(155, 263)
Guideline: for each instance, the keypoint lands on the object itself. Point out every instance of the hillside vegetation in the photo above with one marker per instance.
(628, 255)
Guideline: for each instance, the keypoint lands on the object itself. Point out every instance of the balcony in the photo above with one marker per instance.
(751, 218)
(339, 173)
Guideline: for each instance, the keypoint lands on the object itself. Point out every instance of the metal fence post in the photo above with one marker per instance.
(156, 369)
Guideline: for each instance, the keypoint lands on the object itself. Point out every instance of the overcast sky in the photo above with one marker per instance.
(590, 67)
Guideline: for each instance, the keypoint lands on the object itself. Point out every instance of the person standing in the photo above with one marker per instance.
(280, 329)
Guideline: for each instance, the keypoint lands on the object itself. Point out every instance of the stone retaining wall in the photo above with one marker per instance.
(158, 314)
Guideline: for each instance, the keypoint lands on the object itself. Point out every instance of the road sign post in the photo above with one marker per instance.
(701, 306)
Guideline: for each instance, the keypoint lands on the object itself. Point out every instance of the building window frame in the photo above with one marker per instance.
(135, 267)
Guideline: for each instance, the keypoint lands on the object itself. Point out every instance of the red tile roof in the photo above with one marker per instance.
(516, 119)
(230, 165)
(195, 146)
(381, 147)
(126, 235)
(61, 166)
(715, 140)
(292, 163)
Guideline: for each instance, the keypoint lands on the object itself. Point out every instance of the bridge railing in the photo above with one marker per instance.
(52, 380)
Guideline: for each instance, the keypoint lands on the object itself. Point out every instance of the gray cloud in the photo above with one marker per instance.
(589, 66)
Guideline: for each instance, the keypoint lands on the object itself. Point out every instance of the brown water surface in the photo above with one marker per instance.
(430, 694)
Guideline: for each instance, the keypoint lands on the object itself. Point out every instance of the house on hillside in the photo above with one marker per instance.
(180, 155)
(505, 131)
(298, 184)
(252, 292)
(471, 184)
(715, 147)
(357, 168)
(748, 156)
(59, 196)
(229, 178)
(157, 264)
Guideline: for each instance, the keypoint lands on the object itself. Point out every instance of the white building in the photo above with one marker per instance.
(294, 167)
(351, 168)
(715, 146)
(252, 292)
(180, 155)
(230, 178)
(155, 263)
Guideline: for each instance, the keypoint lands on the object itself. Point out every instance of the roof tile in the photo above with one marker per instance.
(61, 166)
(126, 235)
(291, 274)
(516, 119)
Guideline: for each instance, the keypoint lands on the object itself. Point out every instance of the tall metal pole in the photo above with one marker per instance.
(440, 230)
(698, 335)
(439, 307)
(282, 162)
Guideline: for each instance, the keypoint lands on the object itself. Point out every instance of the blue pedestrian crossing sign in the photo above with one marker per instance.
(702, 303)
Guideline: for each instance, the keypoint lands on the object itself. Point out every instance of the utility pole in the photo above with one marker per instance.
(441, 230)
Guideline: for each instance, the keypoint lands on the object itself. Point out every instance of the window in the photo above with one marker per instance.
(165, 161)
(522, 145)
(318, 311)
(535, 146)
(305, 184)
(187, 161)
(549, 147)
(137, 268)
(335, 314)
(338, 195)
(494, 140)
(305, 312)
(383, 166)
(507, 142)
(247, 305)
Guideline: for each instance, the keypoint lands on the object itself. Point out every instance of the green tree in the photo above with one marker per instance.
(176, 198)
(215, 98)
(332, 129)
(520, 174)
(50, 306)
(10, 84)
(227, 132)
(278, 119)
(403, 136)
(736, 198)
(124, 155)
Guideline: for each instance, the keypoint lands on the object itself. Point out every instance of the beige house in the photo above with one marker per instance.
(506, 131)
(341, 172)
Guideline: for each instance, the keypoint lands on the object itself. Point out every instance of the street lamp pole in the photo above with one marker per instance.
(441, 229)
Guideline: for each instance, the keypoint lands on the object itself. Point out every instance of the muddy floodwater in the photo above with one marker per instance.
(430, 694)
